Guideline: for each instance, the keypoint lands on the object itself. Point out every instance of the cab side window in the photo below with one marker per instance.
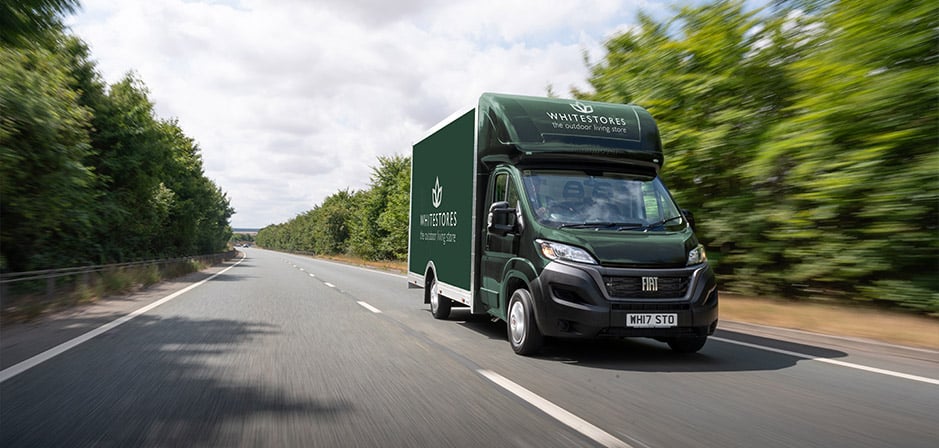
(511, 194)
(499, 187)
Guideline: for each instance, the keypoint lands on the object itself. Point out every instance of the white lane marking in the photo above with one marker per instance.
(302, 270)
(369, 307)
(834, 362)
(319, 260)
(23, 366)
(560, 414)
(329, 284)
(311, 275)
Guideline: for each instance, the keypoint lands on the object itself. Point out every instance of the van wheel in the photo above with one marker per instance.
(524, 335)
(689, 344)
(439, 305)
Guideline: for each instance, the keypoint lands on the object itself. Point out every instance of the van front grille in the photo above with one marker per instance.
(646, 287)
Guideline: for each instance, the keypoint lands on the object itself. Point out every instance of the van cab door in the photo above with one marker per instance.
(498, 247)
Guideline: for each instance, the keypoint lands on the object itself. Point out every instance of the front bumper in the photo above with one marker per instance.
(590, 301)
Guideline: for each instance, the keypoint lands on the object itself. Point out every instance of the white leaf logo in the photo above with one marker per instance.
(582, 108)
(437, 193)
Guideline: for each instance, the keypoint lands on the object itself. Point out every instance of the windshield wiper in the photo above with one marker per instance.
(660, 223)
(598, 225)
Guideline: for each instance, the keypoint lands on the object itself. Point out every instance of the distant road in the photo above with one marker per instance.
(288, 351)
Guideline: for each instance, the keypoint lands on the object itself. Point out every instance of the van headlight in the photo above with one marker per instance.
(558, 251)
(697, 256)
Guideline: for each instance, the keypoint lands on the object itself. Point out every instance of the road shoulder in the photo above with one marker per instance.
(20, 341)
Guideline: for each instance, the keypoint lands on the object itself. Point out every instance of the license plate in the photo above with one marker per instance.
(652, 320)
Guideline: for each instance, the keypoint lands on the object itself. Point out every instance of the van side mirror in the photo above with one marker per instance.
(501, 219)
(690, 217)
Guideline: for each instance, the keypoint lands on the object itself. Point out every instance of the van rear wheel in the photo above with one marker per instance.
(439, 305)
(687, 344)
(524, 335)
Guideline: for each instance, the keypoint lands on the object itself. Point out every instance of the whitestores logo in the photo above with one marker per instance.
(437, 193)
(438, 219)
(584, 117)
(582, 108)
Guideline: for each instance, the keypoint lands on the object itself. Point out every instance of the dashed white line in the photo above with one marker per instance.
(329, 284)
(560, 414)
(311, 275)
(369, 307)
(834, 362)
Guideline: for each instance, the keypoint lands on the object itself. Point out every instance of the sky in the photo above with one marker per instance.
(291, 101)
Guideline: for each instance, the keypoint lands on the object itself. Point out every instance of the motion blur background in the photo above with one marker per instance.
(803, 134)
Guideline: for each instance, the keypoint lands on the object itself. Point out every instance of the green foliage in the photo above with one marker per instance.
(805, 138)
(394, 219)
(117, 281)
(377, 231)
(371, 224)
(45, 189)
(240, 238)
(25, 21)
(148, 275)
(331, 223)
(88, 174)
(196, 219)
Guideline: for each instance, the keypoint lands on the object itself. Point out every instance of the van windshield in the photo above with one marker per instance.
(608, 200)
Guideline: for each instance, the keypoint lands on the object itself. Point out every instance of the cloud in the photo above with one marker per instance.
(292, 100)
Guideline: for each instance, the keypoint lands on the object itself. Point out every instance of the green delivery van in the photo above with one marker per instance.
(550, 214)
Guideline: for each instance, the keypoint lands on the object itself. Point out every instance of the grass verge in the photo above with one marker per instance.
(837, 319)
(30, 301)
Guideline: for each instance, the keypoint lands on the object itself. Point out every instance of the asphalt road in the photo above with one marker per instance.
(283, 350)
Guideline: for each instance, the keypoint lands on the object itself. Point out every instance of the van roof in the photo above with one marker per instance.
(551, 127)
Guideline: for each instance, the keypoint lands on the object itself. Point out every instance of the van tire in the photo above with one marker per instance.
(523, 332)
(687, 344)
(439, 305)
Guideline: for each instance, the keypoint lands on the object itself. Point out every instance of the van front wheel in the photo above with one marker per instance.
(523, 332)
(688, 344)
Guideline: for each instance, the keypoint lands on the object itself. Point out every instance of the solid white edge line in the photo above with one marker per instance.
(834, 362)
(369, 307)
(842, 338)
(558, 413)
(27, 364)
